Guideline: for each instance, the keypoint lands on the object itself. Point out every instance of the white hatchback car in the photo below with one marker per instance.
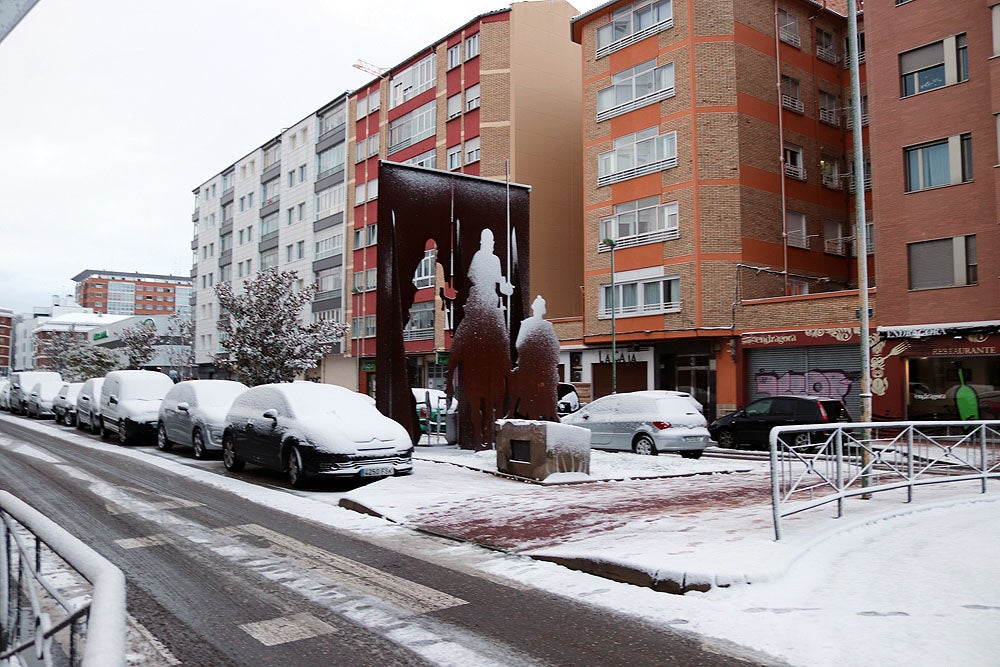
(645, 422)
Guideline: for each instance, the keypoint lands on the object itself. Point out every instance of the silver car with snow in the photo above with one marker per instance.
(645, 422)
(193, 414)
(306, 429)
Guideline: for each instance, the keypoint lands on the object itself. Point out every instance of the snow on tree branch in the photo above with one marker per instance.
(262, 333)
(139, 341)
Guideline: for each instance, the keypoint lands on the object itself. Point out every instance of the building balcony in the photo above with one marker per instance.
(636, 36)
(798, 173)
(832, 181)
(635, 172)
(838, 246)
(418, 334)
(798, 239)
(637, 103)
(789, 36)
(868, 182)
(850, 120)
(792, 103)
(828, 54)
(830, 117)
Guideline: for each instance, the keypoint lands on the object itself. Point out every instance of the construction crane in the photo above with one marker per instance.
(366, 66)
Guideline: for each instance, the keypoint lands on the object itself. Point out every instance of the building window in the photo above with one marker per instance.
(454, 55)
(330, 283)
(420, 325)
(794, 162)
(635, 87)
(268, 226)
(791, 97)
(424, 275)
(825, 49)
(472, 150)
(864, 112)
(995, 11)
(640, 221)
(268, 259)
(301, 211)
(372, 234)
(633, 23)
(943, 162)
(331, 121)
(454, 157)
(830, 172)
(455, 106)
(929, 67)
(949, 262)
(788, 28)
(412, 81)
(413, 127)
(272, 156)
(641, 297)
(427, 159)
(644, 152)
(331, 160)
(795, 227)
(472, 46)
(371, 279)
(330, 201)
(829, 108)
(330, 244)
(834, 241)
(269, 192)
(472, 97)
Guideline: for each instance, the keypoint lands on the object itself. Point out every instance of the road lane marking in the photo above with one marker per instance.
(137, 656)
(140, 542)
(358, 576)
(129, 500)
(287, 629)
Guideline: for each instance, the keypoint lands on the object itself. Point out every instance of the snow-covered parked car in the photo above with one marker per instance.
(88, 406)
(64, 406)
(40, 399)
(5, 394)
(130, 404)
(645, 422)
(193, 414)
(307, 429)
(21, 384)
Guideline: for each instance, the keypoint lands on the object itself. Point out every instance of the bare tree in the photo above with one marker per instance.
(180, 332)
(139, 340)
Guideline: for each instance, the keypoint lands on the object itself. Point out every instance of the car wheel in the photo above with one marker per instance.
(802, 440)
(692, 453)
(97, 428)
(105, 433)
(198, 444)
(57, 418)
(69, 419)
(229, 459)
(644, 445)
(726, 438)
(162, 442)
(122, 438)
(293, 465)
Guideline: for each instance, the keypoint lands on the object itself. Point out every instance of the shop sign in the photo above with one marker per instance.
(443, 358)
(804, 337)
(100, 335)
(964, 350)
(368, 365)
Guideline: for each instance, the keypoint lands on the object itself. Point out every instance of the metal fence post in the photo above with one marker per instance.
(839, 439)
(982, 454)
(775, 490)
(909, 464)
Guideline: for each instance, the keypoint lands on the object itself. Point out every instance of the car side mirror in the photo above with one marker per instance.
(585, 415)
(183, 407)
(113, 400)
(271, 414)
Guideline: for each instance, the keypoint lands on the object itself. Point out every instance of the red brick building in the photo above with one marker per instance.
(935, 96)
(717, 179)
(117, 293)
(6, 327)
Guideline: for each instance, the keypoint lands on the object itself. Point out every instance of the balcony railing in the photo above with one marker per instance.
(636, 36)
(828, 54)
(832, 181)
(789, 36)
(838, 246)
(640, 239)
(850, 120)
(793, 171)
(798, 239)
(635, 172)
(637, 103)
(792, 103)
(418, 334)
(830, 117)
(868, 182)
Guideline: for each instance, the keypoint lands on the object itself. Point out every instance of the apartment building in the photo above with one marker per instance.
(6, 330)
(121, 293)
(497, 97)
(934, 138)
(718, 201)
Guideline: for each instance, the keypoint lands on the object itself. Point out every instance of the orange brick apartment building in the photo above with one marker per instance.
(717, 172)
(117, 293)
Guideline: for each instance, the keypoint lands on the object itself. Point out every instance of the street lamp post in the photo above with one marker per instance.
(614, 346)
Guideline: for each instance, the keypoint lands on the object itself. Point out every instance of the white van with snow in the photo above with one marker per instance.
(130, 403)
(21, 384)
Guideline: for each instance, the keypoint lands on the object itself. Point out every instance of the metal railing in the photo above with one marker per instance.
(37, 623)
(817, 465)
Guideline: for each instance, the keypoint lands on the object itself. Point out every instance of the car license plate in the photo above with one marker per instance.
(693, 438)
(377, 471)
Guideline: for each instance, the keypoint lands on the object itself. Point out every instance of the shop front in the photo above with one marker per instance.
(943, 372)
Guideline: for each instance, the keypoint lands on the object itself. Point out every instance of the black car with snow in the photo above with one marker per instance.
(305, 429)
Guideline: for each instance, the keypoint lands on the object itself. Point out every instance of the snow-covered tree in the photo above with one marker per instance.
(262, 333)
(88, 361)
(139, 340)
(180, 332)
(54, 347)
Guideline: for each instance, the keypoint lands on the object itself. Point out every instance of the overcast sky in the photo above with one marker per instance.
(112, 111)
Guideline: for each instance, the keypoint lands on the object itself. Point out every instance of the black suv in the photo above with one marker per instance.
(752, 425)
